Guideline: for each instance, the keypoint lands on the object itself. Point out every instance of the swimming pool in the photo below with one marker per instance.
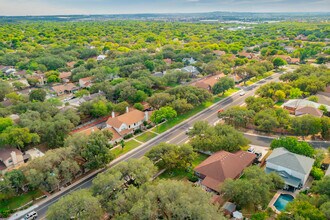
(282, 201)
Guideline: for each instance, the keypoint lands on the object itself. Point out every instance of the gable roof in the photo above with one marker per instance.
(64, 87)
(5, 153)
(65, 75)
(222, 165)
(284, 158)
(208, 82)
(127, 118)
(89, 131)
(298, 103)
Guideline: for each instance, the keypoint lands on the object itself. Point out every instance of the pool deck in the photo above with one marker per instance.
(277, 194)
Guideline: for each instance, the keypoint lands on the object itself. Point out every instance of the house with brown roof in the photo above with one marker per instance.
(289, 59)
(308, 110)
(65, 89)
(126, 123)
(65, 76)
(208, 82)
(89, 131)
(10, 158)
(219, 53)
(223, 165)
(85, 82)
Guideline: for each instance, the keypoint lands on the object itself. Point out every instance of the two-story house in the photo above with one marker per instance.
(293, 168)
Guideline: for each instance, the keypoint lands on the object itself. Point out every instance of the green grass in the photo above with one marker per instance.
(171, 123)
(146, 136)
(181, 174)
(279, 103)
(129, 145)
(18, 201)
(258, 78)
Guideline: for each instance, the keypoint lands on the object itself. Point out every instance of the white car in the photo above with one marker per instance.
(242, 93)
(30, 216)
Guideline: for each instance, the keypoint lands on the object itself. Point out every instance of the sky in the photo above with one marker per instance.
(65, 7)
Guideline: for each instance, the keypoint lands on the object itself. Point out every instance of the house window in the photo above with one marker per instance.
(10, 161)
(129, 126)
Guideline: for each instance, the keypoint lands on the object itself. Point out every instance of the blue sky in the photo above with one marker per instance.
(51, 7)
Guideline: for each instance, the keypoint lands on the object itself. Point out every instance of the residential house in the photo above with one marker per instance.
(101, 57)
(308, 110)
(193, 71)
(208, 82)
(289, 59)
(65, 76)
(89, 131)
(301, 37)
(190, 60)
(293, 168)
(10, 158)
(223, 165)
(40, 77)
(128, 122)
(219, 53)
(21, 74)
(246, 54)
(293, 104)
(78, 101)
(289, 49)
(159, 74)
(71, 64)
(85, 82)
(9, 71)
(168, 61)
(116, 137)
(65, 89)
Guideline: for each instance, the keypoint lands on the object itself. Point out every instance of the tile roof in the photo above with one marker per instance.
(208, 82)
(222, 165)
(298, 103)
(64, 87)
(296, 162)
(89, 131)
(64, 75)
(308, 110)
(115, 134)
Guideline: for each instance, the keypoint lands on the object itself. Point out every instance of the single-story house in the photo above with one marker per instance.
(85, 82)
(65, 89)
(128, 122)
(293, 168)
(78, 101)
(288, 59)
(65, 76)
(308, 110)
(223, 165)
(293, 104)
(208, 82)
(10, 158)
(192, 70)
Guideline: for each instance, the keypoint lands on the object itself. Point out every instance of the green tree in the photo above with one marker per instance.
(172, 156)
(313, 98)
(159, 100)
(280, 95)
(5, 123)
(277, 62)
(317, 173)
(223, 85)
(266, 120)
(16, 179)
(82, 205)
(18, 137)
(237, 116)
(121, 107)
(38, 95)
(258, 104)
(293, 145)
(306, 125)
(295, 93)
(5, 88)
(164, 113)
(81, 93)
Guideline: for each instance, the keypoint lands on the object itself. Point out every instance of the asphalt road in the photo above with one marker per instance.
(177, 136)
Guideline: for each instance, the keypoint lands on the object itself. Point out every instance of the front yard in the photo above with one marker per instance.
(146, 136)
(18, 201)
(129, 145)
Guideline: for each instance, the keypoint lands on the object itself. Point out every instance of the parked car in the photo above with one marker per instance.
(242, 93)
(30, 216)
(189, 129)
(251, 150)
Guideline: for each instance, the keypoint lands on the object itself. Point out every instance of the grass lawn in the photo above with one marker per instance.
(18, 201)
(171, 123)
(279, 103)
(180, 174)
(146, 136)
(258, 78)
(129, 145)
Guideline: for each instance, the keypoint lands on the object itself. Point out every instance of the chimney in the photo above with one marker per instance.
(112, 114)
(13, 157)
(146, 116)
(127, 110)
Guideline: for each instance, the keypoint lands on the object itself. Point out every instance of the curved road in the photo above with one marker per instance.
(175, 135)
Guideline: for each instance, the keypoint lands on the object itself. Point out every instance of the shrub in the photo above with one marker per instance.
(317, 173)
(128, 136)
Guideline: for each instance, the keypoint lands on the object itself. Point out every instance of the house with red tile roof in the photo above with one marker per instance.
(65, 76)
(223, 165)
(85, 82)
(289, 59)
(208, 82)
(65, 89)
(89, 131)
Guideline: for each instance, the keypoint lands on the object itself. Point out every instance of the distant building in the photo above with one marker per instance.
(219, 53)
(85, 82)
(101, 57)
(293, 168)
(246, 54)
(288, 59)
(289, 49)
(295, 104)
(193, 71)
(65, 89)
(208, 82)
(223, 165)
(159, 74)
(65, 76)
(168, 61)
(301, 37)
(10, 158)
